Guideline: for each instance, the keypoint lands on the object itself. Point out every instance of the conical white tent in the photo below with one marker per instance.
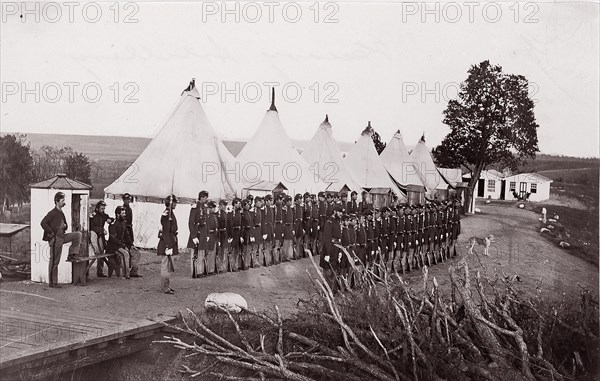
(185, 157)
(269, 156)
(365, 165)
(397, 161)
(426, 168)
(325, 157)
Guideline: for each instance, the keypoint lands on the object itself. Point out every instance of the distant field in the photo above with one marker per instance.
(574, 175)
(578, 183)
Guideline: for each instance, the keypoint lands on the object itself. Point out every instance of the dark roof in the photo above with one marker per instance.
(380, 190)
(61, 181)
(265, 185)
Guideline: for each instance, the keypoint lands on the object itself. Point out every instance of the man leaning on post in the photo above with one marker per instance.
(55, 226)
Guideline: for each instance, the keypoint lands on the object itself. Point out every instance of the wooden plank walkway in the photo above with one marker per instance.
(35, 340)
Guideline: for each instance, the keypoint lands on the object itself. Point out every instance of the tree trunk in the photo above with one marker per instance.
(470, 191)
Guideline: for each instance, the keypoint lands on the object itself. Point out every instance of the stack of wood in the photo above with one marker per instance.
(12, 268)
(387, 331)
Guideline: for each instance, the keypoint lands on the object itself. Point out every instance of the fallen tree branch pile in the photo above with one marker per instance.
(484, 330)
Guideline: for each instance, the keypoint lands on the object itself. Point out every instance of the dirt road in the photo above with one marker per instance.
(519, 249)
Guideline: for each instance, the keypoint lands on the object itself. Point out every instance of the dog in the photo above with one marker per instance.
(485, 242)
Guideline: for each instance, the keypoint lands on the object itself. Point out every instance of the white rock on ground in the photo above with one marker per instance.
(230, 301)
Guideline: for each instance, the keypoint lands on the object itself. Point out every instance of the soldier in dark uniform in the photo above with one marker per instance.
(444, 237)
(353, 260)
(234, 228)
(344, 201)
(330, 256)
(247, 228)
(287, 250)
(427, 218)
(364, 202)
(128, 213)
(223, 246)
(127, 199)
(278, 229)
(268, 230)
(371, 238)
(361, 241)
(306, 221)
(337, 201)
(119, 242)
(455, 225)
(329, 208)
(98, 234)
(258, 253)
(420, 220)
(401, 239)
(344, 264)
(298, 227)
(352, 205)
(409, 232)
(378, 223)
(212, 238)
(167, 245)
(322, 210)
(384, 235)
(438, 231)
(196, 240)
(393, 261)
(314, 231)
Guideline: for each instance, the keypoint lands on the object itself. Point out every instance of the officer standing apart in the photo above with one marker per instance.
(167, 244)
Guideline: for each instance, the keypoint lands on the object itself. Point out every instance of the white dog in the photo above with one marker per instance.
(485, 242)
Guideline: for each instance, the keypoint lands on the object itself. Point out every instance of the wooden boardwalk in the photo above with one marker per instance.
(41, 344)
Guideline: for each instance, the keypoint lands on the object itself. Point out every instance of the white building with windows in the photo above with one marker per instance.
(497, 186)
(537, 185)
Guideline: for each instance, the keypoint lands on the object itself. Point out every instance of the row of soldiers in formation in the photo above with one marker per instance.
(261, 231)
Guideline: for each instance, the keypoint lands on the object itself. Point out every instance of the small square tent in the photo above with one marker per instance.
(263, 188)
(76, 211)
(380, 197)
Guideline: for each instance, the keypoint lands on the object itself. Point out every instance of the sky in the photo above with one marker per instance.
(119, 68)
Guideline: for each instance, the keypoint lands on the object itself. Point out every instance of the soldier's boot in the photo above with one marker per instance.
(391, 262)
(276, 249)
(240, 258)
(268, 254)
(433, 259)
(404, 262)
(257, 256)
(232, 260)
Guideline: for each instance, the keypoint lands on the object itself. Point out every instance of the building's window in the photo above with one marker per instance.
(533, 188)
(491, 186)
(513, 185)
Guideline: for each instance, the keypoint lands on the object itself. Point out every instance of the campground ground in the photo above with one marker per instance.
(518, 249)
